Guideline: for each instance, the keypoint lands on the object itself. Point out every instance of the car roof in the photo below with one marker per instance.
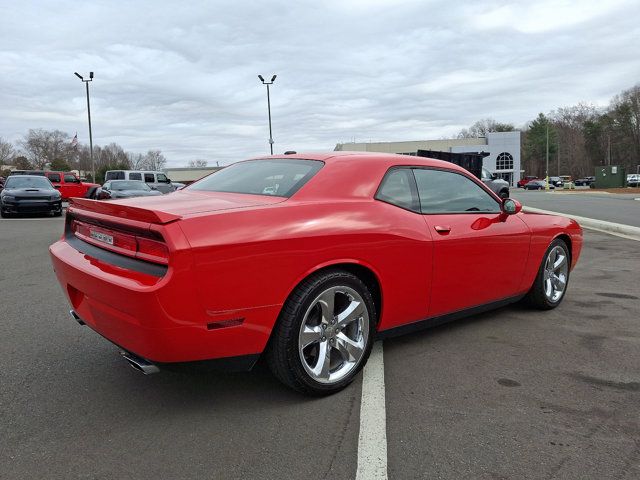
(372, 157)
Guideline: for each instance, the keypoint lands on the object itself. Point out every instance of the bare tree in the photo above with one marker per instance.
(111, 154)
(136, 160)
(154, 160)
(44, 146)
(484, 126)
(7, 152)
(197, 163)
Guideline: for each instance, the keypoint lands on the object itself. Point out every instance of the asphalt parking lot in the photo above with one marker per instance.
(611, 207)
(508, 394)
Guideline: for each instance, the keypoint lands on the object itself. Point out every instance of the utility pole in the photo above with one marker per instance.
(608, 149)
(93, 165)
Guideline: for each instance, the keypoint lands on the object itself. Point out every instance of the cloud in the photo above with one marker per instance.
(183, 77)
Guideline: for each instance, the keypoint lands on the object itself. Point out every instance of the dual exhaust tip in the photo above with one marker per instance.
(138, 363)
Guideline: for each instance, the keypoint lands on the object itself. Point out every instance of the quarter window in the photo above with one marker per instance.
(398, 188)
(441, 191)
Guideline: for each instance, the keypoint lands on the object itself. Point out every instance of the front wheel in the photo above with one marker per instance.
(551, 282)
(324, 334)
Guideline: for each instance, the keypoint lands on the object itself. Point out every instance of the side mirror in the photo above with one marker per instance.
(168, 180)
(511, 206)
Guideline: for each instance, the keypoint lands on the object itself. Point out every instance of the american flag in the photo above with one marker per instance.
(74, 142)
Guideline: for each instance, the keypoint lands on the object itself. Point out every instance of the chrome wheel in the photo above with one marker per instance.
(333, 334)
(556, 269)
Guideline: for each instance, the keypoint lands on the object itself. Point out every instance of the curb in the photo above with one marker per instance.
(593, 224)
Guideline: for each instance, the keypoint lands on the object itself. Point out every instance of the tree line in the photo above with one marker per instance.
(56, 150)
(581, 137)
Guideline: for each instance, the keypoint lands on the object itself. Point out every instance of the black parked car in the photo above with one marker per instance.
(125, 189)
(29, 194)
(538, 185)
(584, 181)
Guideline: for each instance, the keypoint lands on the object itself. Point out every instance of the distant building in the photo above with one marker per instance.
(188, 174)
(503, 149)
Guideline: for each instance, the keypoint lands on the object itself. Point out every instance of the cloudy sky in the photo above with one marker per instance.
(182, 76)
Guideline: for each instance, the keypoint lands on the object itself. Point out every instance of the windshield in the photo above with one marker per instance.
(129, 185)
(277, 177)
(28, 182)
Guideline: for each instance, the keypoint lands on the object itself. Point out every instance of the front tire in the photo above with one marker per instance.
(552, 280)
(324, 334)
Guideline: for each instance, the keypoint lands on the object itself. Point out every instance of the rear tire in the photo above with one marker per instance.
(324, 334)
(552, 279)
(5, 215)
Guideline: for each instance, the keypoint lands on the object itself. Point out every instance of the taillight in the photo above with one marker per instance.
(152, 250)
(123, 243)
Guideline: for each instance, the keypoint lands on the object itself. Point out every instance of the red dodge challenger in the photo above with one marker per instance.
(305, 259)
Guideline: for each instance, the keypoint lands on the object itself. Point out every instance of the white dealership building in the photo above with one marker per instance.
(503, 149)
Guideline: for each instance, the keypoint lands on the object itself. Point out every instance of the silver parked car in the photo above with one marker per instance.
(498, 185)
(156, 180)
(125, 189)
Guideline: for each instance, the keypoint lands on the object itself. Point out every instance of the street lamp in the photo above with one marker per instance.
(86, 82)
(269, 107)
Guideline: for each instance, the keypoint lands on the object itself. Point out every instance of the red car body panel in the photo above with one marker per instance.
(235, 258)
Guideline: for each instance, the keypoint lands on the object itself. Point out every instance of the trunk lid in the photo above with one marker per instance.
(168, 208)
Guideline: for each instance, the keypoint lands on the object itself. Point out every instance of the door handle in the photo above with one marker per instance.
(442, 229)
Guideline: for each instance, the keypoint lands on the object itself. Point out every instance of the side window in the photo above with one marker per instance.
(148, 177)
(398, 188)
(135, 176)
(54, 177)
(441, 191)
(69, 178)
(162, 177)
(115, 175)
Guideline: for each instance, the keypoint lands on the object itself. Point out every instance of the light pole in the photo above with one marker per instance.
(547, 170)
(269, 107)
(93, 165)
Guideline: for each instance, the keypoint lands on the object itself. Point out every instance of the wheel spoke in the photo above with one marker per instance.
(324, 361)
(559, 262)
(548, 288)
(351, 313)
(327, 304)
(310, 335)
(350, 349)
(561, 282)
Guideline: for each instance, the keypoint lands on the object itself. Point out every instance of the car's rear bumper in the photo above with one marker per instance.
(158, 318)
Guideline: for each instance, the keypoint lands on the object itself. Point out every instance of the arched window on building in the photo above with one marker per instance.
(504, 161)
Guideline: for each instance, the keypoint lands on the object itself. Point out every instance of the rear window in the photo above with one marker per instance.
(115, 175)
(278, 177)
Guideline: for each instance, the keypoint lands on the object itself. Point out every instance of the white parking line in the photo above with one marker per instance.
(372, 442)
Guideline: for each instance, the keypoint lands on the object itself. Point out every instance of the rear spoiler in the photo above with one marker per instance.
(123, 211)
